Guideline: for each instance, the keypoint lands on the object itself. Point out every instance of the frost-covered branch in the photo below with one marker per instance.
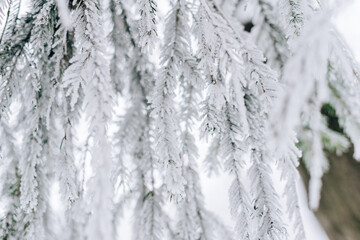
(147, 24)
(162, 102)
(88, 77)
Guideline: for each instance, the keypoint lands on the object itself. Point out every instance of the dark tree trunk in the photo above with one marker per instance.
(339, 211)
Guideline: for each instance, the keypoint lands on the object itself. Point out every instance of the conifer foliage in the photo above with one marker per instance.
(148, 80)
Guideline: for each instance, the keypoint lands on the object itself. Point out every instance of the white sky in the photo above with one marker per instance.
(348, 24)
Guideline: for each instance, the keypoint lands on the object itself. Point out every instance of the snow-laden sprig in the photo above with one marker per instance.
(136, 134)
(62, 148)
(151, 221)
(100, 187)
(216, 42)
(234, 129)
(11, 223)
(133, 137)
(32, 45)
(191, 223)
(312, 90)
(66, 169)
(9, 13)
(32, 167)
(162, 102)
(125, 140)
(4, 13)
(74, 76)
(209, 44)
(41, 50)
(61, 47)
(193, 220)
(318, 87)
(343, 81)
(326, 135)
(188, 223)
(233, 152)
(16, 36)
(211, 163)
(301, 77)
(212, 43)
(266, 201)
(287, 164)
(41, 140)
(260, 15)
(192, 216)
(314, 156)
(149, 217)
(260, 82)
(293, 12)
(211, 109)
(134, 123)
(36, 93)
(90, 70)
(147, 24)
(223, 41)
(123, 39)
(130, 124)
(269, 36)
(260, 76)
(244, 136)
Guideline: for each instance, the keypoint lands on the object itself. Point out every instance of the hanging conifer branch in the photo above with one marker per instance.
(162, 102)
(294, 11)
(147, 24)
(193, 223)
(96, 92)
(10, 177)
